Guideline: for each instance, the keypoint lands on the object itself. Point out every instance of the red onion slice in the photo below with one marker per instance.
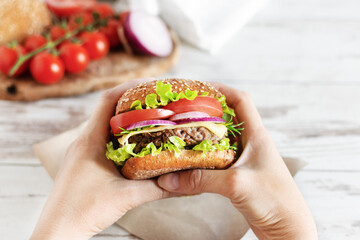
(205, 119)
(149, 122)
(148, 34)
(188, 115)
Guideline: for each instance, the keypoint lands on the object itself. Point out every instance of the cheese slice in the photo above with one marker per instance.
(218, 129)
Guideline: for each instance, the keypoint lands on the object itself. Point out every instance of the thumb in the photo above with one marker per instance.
(197, 181)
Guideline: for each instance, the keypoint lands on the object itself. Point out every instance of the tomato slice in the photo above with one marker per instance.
(123, 120)
(208, 105)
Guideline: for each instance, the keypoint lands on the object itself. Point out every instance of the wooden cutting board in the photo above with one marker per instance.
(116, 68)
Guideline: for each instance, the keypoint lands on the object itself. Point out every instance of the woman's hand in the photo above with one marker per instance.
(258, 184)
(89, 194)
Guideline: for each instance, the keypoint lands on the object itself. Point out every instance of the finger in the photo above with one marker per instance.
(99, 121)
(244, 108)
(199, 181)
(142, 191)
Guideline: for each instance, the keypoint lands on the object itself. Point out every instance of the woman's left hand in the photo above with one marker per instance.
(89, 194)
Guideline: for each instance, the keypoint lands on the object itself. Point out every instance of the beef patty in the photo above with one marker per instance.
(191, 136)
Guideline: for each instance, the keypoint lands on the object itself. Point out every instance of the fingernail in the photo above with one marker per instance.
(170, 182)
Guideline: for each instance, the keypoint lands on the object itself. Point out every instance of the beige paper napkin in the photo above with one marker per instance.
(205, 216)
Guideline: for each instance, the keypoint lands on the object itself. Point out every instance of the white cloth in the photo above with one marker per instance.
(206, 24)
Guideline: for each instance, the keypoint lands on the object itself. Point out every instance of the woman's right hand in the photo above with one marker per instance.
(259, 184)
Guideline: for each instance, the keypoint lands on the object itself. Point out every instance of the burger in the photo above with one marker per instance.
(171, 125)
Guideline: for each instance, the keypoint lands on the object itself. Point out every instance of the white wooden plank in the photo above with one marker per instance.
(287, 41)
(19, 215)
(333, 198)
(310, 10)
(24, 181)
(303, 52)
(24, 124)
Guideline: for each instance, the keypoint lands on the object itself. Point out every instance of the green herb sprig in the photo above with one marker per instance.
(234, 128)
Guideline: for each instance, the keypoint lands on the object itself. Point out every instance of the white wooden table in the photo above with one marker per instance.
(300, 60)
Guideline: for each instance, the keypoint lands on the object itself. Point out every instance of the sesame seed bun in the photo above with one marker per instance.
(178, 85)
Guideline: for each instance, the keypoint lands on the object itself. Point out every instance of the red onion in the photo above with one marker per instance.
(205, 119)
(149, 122)
(188, 115)
(148, 34)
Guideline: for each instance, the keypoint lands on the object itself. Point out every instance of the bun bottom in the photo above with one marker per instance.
(166, 162)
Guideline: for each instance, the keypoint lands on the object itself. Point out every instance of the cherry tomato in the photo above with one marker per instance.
(123, 120)
(9, 56)
(47, 68)
(204, 104)
(57, 32)
(75, 57)
(96, 44)
(79, 20)
(66, 8)
(33, 42)
(103, 9)
(111, 32)
(63, 43)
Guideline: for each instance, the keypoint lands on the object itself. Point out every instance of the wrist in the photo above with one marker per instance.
(49, 233)
(54, 226)
(60, 219)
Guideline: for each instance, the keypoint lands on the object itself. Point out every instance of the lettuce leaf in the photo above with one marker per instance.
(149, 149)
(226, 109)
(188, 94)
(175, 144)
(207, 146)
(151, 101)
(165, 94)
(120, 155)
(136, 105)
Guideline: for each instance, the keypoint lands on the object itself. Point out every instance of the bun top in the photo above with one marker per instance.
(178, 85)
